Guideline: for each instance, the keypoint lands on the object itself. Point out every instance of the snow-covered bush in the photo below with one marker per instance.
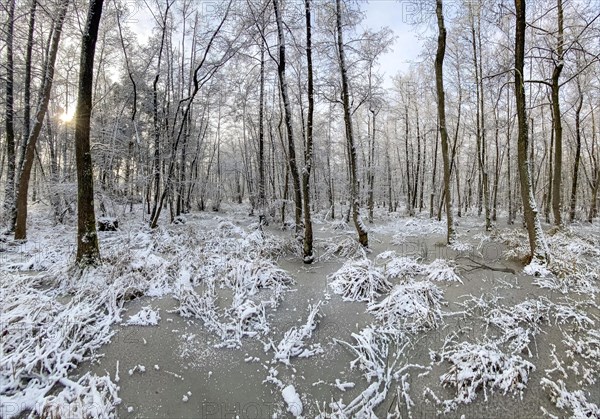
(441, 270)
(403, 267)
(475, 367)
(359, 280)
(411, 306)
(575, 401)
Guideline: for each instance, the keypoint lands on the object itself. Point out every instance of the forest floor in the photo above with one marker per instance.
(213, 318)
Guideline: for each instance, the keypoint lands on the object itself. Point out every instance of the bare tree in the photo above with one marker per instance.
(308, 151)
(21, 222)
(537, 242)
(439, 79)
(361, 229)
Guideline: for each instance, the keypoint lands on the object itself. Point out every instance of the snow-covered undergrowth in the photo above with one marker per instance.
(359, 280)
(59, 318)
(293, 343)
(475, 367)
(44, 339)
(412, 306)
(408, 267)
(378, 356)
(574, 265)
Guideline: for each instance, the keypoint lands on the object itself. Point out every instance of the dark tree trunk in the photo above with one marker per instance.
(288, 119)
(9, 190)
(537, 244)
(577, 155)
(308, 152)
(363, 237)
(87, 238)
(557, 120)
(439, 78)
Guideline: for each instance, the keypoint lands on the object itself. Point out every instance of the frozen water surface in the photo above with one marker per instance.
(211, 318)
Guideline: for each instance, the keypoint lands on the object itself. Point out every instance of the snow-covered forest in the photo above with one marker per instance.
(274, 208)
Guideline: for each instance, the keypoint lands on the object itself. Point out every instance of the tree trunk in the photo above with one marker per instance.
(87, 239)
(557, 120)
(308, 152)
(537, 243)
(439, 79)
(288, 119)
(21, 222)
(577, 154)
(9, 190)
(361, 229)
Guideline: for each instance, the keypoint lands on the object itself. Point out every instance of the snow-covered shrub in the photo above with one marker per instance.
(293, 342)
(344, 248)
(519, 324)
(371, 349)
(412, 306)
(575, 401)
(441, 270)
(359, 280)
(253, 275)
(403, 267)
(91, 397)
(475, 367)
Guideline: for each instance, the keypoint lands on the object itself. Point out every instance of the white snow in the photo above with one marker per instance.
(292, 399)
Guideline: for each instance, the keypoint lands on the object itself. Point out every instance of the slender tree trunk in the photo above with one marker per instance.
(27, 86)
(21, 222)
(408, 182)
(434, 174)
(308, 152)
(361, 229)
(288, 119)
(9, 190)
(557, 119)
(262, 219)
(439, 78)
(87, 240)
(371, 171)
(577, 154)
(537, 243)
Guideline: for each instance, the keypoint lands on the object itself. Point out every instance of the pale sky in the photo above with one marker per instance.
(395, 14)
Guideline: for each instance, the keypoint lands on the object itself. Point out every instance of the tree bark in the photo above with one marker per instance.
(441, 107)
(537, 243)
(9, 190)
(361, 229)
(308, 152)
(577, 154)
(557, 120)
(288, 119)
(88, 252)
